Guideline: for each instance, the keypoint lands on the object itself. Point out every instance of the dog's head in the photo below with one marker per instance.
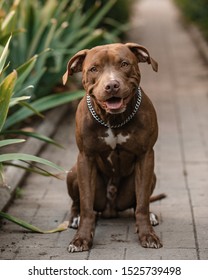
(110, 73)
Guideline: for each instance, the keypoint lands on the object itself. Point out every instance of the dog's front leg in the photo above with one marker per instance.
(143, 182)
(86, 175)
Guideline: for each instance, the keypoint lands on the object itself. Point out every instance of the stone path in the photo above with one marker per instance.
(179, 93)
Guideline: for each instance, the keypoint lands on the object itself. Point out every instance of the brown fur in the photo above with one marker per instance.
(115, 167)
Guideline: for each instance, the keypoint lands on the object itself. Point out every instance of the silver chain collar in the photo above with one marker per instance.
(98, 119)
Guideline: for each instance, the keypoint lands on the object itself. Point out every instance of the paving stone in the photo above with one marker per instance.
(107, 254)
(139, 253)
(203, 254)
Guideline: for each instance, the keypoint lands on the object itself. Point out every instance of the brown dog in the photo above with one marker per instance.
(116, 129)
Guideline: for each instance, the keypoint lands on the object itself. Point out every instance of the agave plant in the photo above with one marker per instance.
(37, 26)
(24, 224)
(61, 26)
(7, 87)
(45, 34)
(55, 30)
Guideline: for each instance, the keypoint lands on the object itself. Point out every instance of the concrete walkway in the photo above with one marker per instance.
(179, 93)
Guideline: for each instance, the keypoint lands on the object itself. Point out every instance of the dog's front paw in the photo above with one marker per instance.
(150, 240)
(74, 248)
(79, 244)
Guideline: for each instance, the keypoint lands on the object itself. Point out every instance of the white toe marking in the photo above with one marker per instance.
(72, 248)
(153, 219)
(75, 222)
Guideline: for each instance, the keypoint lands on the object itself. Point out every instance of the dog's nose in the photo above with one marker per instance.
(112, 86)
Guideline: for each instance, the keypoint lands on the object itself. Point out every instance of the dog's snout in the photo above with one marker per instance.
(112, 86)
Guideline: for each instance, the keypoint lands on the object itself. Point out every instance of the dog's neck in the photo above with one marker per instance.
(115, 120)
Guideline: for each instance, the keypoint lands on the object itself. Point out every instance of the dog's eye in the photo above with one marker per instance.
(93, 69)
(124, 64)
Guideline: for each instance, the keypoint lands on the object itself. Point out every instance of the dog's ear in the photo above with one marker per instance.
(142, 55)
(75, 64)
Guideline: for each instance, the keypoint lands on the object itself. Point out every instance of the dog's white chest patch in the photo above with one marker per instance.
(111, 140)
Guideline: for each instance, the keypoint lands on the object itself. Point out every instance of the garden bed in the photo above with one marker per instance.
(14, 176)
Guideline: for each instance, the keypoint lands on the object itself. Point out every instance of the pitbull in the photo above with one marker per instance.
(116, 129)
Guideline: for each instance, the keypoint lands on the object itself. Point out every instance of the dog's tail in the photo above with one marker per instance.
(157, 197)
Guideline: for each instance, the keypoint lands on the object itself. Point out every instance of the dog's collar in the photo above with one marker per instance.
(98, 119)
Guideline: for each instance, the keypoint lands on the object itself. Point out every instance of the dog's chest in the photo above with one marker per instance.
(112, 140)
(115, 155)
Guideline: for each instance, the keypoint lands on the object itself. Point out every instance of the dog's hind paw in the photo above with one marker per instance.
(75, 222)
(154, 219)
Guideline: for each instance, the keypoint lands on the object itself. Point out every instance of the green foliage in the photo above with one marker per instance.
(121, 10)
(32, 228)
(44, 35)
(61, 27)
(196, 11)
(42, 104)
(10, 141)
(7, 90)
(26, 157)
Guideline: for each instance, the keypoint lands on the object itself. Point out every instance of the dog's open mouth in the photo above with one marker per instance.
(114, 103)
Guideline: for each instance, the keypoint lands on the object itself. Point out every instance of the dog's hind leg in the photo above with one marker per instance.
(73, 191)
(153, 217)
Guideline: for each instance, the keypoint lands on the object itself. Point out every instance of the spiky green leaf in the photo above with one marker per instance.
(24, 224)
(6, 90)
(10, 142)
(4, 55)
(43, 104)
(27, 157)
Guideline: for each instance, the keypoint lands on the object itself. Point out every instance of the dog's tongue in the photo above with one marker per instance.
(114, 103)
